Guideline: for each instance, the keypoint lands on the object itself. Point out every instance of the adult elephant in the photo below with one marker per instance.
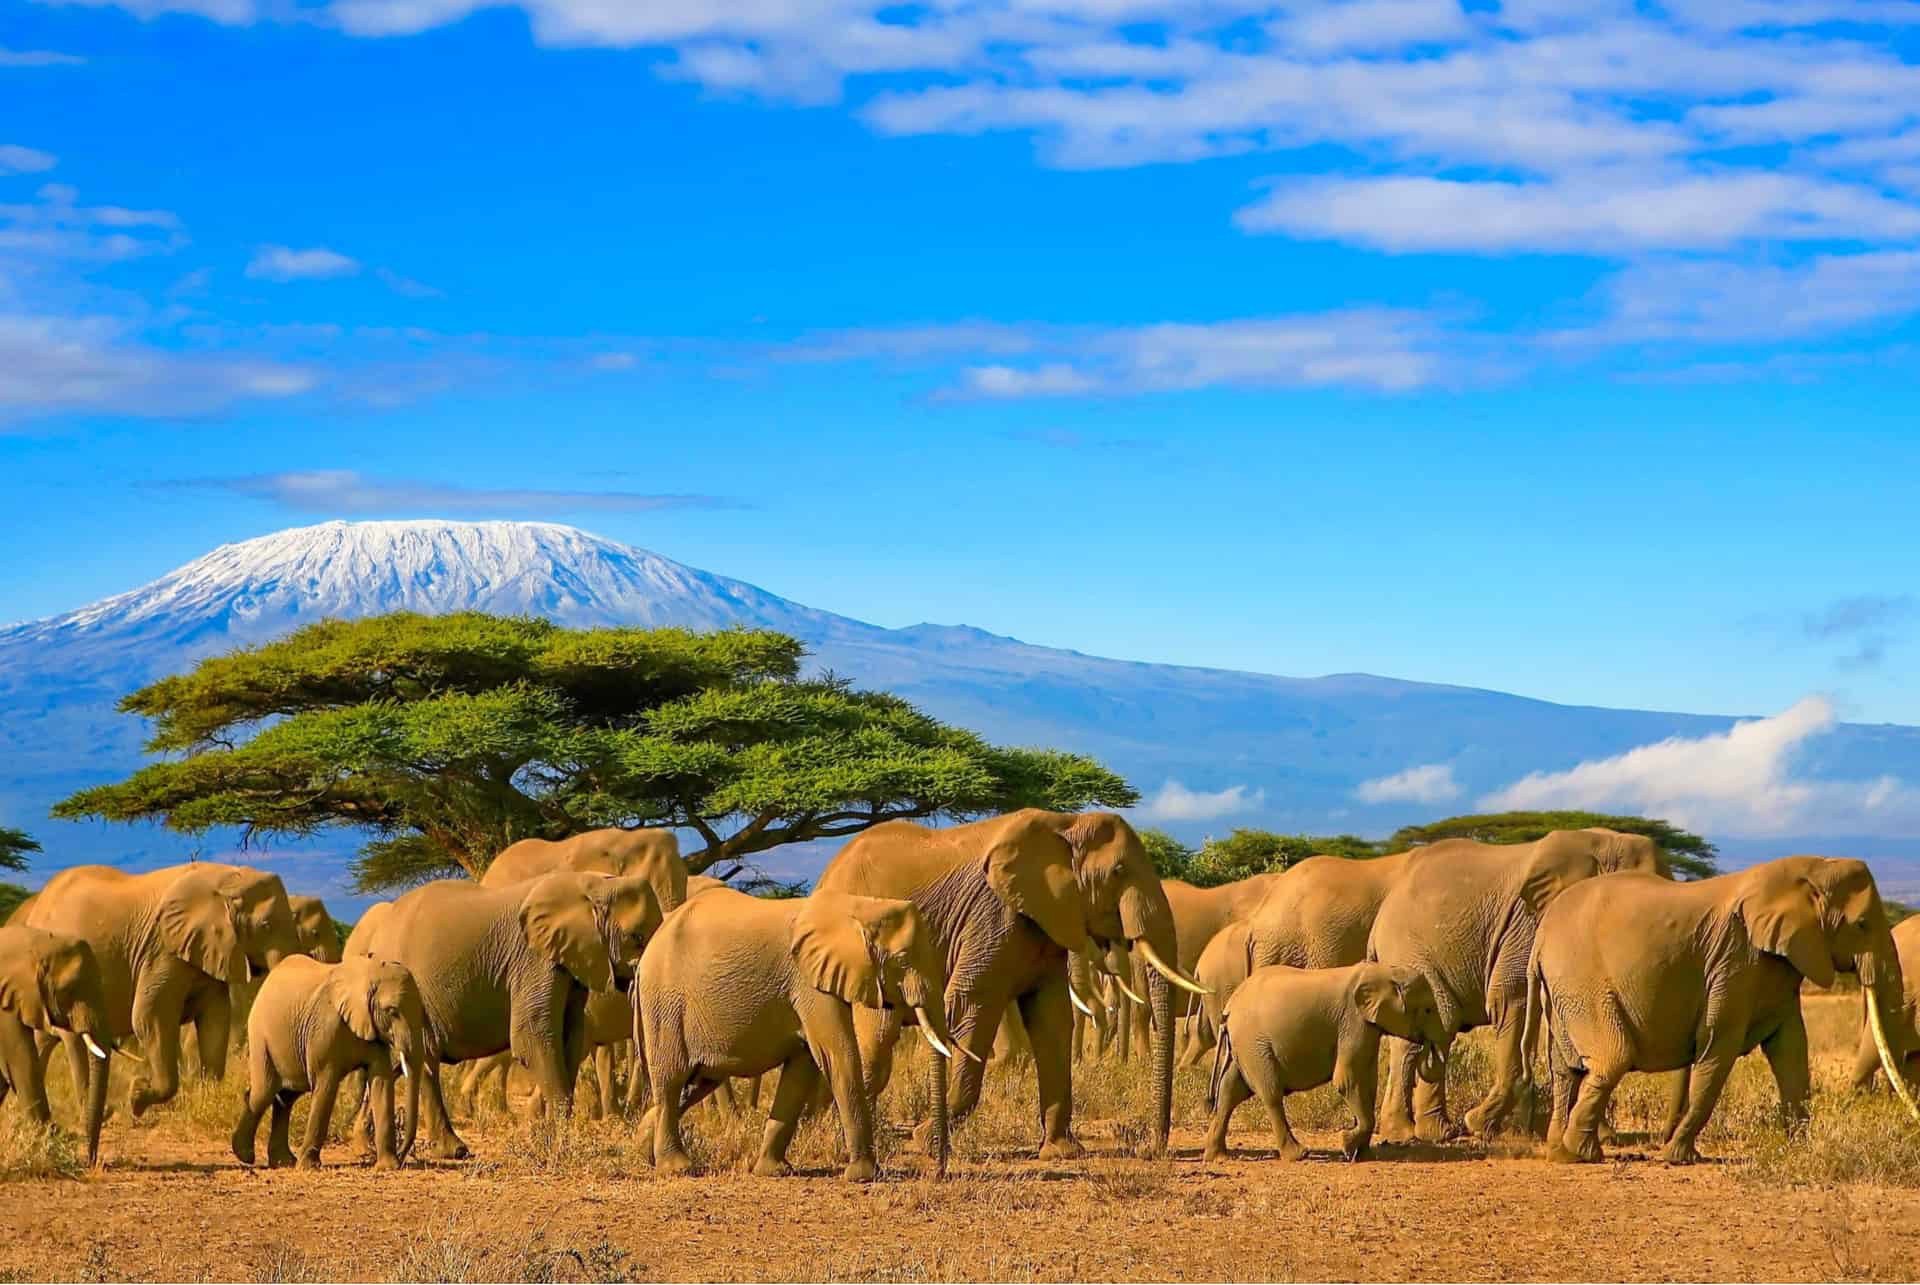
(1199, 914)
(169, 944)
(1639, 975)
(318, 937)
(653, 855)
(1464, 914)
(49, 985)
(1903, 1035)
(1006, 899)
(511, 969)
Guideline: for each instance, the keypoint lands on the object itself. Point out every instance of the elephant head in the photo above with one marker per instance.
(380, 1002)
(1400, 1001)
(877, 952)
(318, 937)
(53, 981)
(630, 910)
(1086, 880)
(229, 921)
(587, 925)
(651, 854)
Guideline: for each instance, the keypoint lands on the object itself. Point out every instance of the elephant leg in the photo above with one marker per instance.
(1357, 1080)
(326, 1086)
(1866, 1062)
(263, 1084)
(1431, 1123)
(386, 1153)
(1508, 1069)
(20, 1069)
(159, 1080)
(279, 1153)
(669, 1151)
(446, 1144)
(212, 1027)
(1234, 1090)
(1704, 1082)
(1048, 1016)
(1397, 1122)
(879, 1031)
(79, 1067)
(1580, 1141)
(799, 1077)
(603, 1070)
(828, 1025)
(1561, 1078)
(1786, 1053)
(1677, 1102)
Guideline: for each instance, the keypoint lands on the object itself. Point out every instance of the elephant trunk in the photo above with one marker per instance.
(1160, 1003)
(1148, 922)
(99, 1071)
(937, 1106)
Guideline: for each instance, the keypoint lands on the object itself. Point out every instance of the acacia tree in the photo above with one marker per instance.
(14, 847)
(449, 737)
(1244, 853)
(1691, 856)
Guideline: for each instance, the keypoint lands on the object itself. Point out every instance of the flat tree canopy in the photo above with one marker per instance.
(1692, 857)
(1245, 853)
(450, 737)
(14, 847)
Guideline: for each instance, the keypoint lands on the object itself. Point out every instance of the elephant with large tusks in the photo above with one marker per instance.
(311, 1024)
(50, 984)
(1199, 915)
(1903, 1036)
(511, 969)
(1464, 913)
(1636, 974)
(1006, 899)
(169, 944)
(795, 972)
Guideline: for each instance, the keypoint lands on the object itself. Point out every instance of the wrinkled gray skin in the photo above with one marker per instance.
(738, 986)
(1292, 1029)
(1006, 899)
(311, 1025)
(653, 855)
(1903, 1035)
(169, 944)
(511, 968)
(1635, 974)
(318, 939)
(49, 985)
(1463, 914)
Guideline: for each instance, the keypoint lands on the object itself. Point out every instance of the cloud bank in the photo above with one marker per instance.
(1431, 783)
(344, 491)
(1175, 802)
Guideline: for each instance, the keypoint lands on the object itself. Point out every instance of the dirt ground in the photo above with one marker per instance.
(172, 1203)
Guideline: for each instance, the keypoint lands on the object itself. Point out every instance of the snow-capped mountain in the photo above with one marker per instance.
(1280, 752)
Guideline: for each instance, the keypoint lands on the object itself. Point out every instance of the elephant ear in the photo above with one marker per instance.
(352, 988)
(20, 994)
(834, 952)
(559, 921)
(196, 921)
(1557, 862)
(1031, 870)
(1376, 990)
(1783, 918)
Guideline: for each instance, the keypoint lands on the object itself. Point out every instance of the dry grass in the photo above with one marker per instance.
(30, 1150)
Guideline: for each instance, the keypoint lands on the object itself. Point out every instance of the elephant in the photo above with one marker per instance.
(50, 984)
(1223, 966)
(1006, 899)
(1292, 1029)
(512, 968)
(1464, 913)
(1636, 974)
(653, 855)
(318, 937)
(795, 972)
(1198, 915)
(1903, 1036)
(311, 1024)
(170, 944)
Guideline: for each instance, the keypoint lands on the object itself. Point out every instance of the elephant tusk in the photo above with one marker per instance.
(1168, 971)
(92, 1047)
(934, 1041)
(1127, 990)
(1078, 1003)
(403, 1065)
(1898, 1081)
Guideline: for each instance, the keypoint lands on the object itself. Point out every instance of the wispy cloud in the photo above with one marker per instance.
(1864, 622)
(15, 159)
(1175, 802)
(37, 58)
(283, 263)
(1739, 782)
(345, 491)
(407, 286)
(1428, 783)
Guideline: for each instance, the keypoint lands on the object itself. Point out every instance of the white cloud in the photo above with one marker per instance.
(37, 58)
(336, 491)
(1429, 783)
(1055, 379)
(1738, 782)
(15, 159)
(407, 286)
(1175, 802)
(282, 263)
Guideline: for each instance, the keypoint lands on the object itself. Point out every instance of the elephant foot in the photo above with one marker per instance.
(450, 1148)
(1357, 1145)
(1396, 1129)
(1291, 1150)
(382, 1163)
(279, 1159)
(1482, 1123)
(1216, 1151)
(1558, 1154)
(1678, 1152)
(861, 1170)
(309, 1160)
(771, 1167)
(1439, 1131)
(674, 1164)
(243, 1147)
(1067, 1148)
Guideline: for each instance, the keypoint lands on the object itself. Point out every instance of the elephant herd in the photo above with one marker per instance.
(1580, 942)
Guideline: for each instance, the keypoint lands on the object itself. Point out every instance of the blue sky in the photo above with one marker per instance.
(1565, 347)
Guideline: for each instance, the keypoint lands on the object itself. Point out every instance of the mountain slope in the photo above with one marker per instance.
(1296, 746)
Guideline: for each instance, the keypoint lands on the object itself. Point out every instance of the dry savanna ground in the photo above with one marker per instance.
(1841, 1202)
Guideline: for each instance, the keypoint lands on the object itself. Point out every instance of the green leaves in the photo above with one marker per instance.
(447, 738)
(14, 847)
(1246, 853)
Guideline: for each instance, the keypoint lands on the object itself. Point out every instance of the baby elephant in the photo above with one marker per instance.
(310, 1026)
(735, 985)
(1289, 1029)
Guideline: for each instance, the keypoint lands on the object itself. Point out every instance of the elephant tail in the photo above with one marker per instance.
(1222, 1064)
(1535, 1016)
